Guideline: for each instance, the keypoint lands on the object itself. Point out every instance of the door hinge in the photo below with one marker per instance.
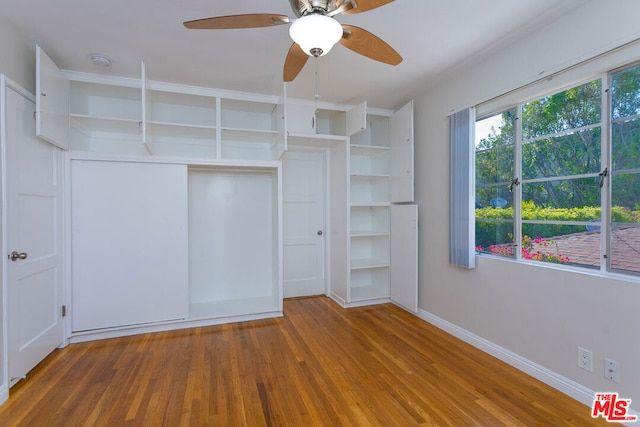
(64, 310)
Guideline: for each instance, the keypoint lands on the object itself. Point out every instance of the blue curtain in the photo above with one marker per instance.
(462, 233)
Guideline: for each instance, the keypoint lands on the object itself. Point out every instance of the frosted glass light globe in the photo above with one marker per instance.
(316, 34)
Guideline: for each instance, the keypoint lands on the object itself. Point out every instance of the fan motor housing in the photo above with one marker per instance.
(304, 7)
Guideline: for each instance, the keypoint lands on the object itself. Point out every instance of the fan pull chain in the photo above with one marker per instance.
(317, 94)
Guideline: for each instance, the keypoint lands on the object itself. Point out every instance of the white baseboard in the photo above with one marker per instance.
(569, 387)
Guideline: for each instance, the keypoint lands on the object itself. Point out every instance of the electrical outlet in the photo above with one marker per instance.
(611, 370)
(585, 359)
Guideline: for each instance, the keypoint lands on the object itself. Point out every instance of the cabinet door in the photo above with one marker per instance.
(146, 107)
(129, 243)
(357, 119)
(52, 101)
(301, 118)
(404, 256)
(401, 168)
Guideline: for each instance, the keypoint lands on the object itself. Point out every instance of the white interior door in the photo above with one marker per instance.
(34, 173)
(303, 223)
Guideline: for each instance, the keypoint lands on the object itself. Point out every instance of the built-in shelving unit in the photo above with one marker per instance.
(134, 117)
(252, 130)
(181, 125)
(230, 146)
(106, 118)
(219, 152)
(370, 211)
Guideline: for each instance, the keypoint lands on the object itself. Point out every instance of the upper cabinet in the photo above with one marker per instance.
(307, 118)
(136, 117)
(52, 101)
(106, 118)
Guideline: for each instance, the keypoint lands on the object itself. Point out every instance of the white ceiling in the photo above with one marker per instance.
(431, 35)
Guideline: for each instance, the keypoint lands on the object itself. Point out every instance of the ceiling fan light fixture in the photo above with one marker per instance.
(315, 33)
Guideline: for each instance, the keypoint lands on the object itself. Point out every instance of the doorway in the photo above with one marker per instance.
(34, 184)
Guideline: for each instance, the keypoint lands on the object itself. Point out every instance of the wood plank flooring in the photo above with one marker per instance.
(319, 365)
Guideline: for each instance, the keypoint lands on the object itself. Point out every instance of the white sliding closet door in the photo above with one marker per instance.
(129, 243)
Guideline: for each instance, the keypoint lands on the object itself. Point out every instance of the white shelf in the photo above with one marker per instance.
(368, 148)
(251, 131)
(371, 190)
(375, 135)
(251, 116)
(370, 161)
(106, 135)
(363, 234)
(251, 144)
(331, 122)
(106, 101)
(368, 263)
(180, 109)
(237, 307)
(369, 284)
(180, 125)
(370, 175)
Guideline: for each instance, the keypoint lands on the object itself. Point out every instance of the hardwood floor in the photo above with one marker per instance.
(319, 365)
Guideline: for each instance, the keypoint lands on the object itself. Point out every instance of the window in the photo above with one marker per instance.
(495, 149)
(551, 171)
(624, 242)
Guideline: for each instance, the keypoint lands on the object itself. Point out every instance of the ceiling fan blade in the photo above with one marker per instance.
(255, 20)
(363, 42)
(296, 58)
(366, 5)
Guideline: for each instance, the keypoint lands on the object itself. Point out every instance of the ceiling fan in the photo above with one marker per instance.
(314, 32)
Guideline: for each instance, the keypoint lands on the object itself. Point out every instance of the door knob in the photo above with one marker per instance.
(319, 233)
(17, 255)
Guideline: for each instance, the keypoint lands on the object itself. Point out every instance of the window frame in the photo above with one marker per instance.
(606, 144)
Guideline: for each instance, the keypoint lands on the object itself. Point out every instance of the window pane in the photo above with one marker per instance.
(625, 93)
(625, 248)
(570, 199)
(625, 150)
(561, 244)
(495, 131)
(495, 196)
(495, 165)
(494, 171)
(625, 156)
(494, 220)
(573, 154)
(625, 222)
(625, 198)
(495, 238)
(571, 109)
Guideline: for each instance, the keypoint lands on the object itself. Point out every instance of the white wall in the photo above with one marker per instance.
(17, 57)
(540, 313)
